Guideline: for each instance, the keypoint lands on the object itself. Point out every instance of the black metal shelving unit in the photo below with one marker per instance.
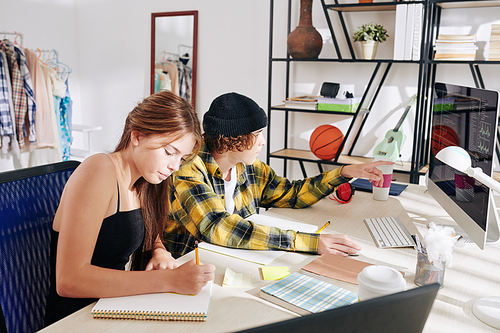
(380, 66)
(431, 66)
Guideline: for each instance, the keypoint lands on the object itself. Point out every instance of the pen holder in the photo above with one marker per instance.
(427, 273)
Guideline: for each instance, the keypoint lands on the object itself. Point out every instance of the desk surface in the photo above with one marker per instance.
(475, 273)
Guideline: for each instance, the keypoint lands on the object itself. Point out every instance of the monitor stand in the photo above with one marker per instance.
(492, 234)
(487, 309)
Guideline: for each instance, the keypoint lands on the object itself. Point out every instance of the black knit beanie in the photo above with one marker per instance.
(231, 115)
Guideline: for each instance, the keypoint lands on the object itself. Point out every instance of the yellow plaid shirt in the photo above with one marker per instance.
(198, 209)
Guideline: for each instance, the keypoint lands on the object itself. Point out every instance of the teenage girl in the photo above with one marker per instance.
(113, 206)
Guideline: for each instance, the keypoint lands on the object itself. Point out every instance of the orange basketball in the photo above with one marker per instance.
(441, 137)
(325, 141)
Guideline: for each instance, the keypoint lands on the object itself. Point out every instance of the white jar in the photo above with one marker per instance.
(375, 281)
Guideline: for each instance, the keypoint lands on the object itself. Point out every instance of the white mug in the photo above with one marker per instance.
(375, 281)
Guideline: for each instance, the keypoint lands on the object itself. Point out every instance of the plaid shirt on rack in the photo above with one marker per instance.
(197, 206)
(18, 94)
(5, 119)
(28, 89)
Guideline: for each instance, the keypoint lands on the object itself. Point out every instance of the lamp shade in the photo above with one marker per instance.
(459, 159)
(456, 157)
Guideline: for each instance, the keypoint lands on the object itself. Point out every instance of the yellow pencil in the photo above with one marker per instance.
(196, 252)
(323, 227)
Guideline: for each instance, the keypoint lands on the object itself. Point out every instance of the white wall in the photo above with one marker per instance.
(107, 44)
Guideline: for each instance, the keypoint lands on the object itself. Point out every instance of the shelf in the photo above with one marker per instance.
(344, 60)
(447, 4)
(347, 114)
(496, 176)
(381, 68)
(308, 156)
(364, 7)
(478, 62)
(86, 130)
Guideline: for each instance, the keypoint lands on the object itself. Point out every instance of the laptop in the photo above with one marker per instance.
(406, 311)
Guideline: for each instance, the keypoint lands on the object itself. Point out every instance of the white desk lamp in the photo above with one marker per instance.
(486, 309)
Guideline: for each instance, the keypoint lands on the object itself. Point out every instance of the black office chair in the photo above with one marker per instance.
(28, 202)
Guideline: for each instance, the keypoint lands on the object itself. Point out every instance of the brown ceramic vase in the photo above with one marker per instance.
(305, 41)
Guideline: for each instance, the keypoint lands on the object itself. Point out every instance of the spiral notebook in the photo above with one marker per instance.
(157, 306)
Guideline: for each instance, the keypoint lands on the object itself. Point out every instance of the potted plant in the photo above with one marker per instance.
(370, 35)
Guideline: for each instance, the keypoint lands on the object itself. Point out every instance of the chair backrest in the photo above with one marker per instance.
(28, 202)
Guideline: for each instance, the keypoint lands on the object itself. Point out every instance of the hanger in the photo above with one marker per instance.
(15, 38)
(168, 56)
(61, 68)
(39, 55)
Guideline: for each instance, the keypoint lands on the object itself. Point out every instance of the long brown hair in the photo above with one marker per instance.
(161, 113)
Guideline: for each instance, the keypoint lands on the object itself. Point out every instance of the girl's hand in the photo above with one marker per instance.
(162, 259)
(189, 278)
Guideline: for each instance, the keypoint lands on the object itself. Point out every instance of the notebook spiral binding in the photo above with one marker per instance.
(138, 315)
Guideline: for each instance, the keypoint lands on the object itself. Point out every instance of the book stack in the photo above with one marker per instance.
(302, 102)
(495, 42)
(349, 105)
(408, 34)
(455, 47)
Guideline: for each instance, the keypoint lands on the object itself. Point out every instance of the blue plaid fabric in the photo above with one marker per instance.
(310, 294)
(5, 120)
(30, 95)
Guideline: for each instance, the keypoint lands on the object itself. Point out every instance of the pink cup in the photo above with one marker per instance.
(464, 187)
(382, 193)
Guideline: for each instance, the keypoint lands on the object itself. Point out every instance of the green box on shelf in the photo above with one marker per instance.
(443, 104)
(338, 107)
(338, 104)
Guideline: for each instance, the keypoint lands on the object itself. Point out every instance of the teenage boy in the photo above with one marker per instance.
(212, 195)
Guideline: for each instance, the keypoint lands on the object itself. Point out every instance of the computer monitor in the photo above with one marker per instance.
(465, 117)
(406, 311)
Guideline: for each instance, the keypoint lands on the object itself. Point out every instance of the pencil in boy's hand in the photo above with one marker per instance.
(196, 252)
(323, 227)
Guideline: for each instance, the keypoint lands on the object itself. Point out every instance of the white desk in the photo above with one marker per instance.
(475, 273)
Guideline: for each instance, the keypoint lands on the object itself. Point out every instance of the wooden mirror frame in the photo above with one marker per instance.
(193, 13)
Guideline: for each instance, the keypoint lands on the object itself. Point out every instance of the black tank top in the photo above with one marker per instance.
(120, 235)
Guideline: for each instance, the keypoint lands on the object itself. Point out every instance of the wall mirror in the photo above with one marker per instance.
(174, 37)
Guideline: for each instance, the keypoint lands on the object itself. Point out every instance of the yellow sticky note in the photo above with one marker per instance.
(236, 280)
(274, 272)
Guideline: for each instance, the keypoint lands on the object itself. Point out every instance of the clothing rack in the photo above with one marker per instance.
(63, 105)
(15, 33)
(49, 51)
(186, 46)
(170, 53)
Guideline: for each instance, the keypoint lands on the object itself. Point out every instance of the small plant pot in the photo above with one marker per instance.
(369, 49)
